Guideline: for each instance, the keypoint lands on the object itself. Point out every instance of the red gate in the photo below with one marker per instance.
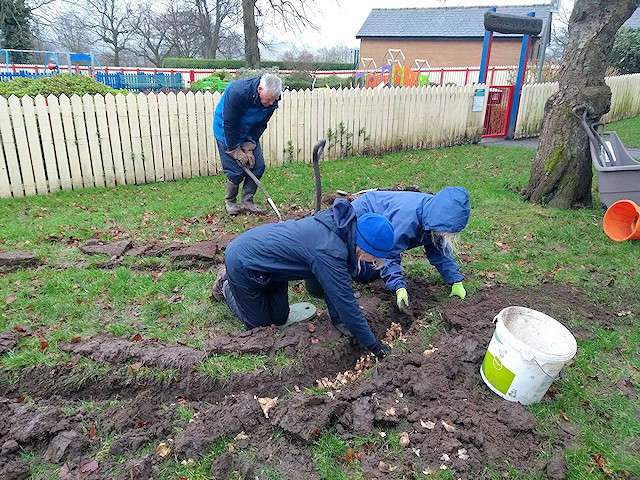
(496, 120)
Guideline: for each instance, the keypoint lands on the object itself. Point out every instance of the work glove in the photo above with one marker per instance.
(248, 147)
(381, 350)
(458, 290)
(402, 298)
(241, 156)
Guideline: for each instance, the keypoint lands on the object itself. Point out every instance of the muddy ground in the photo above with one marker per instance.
(116, 425)
(451, 417)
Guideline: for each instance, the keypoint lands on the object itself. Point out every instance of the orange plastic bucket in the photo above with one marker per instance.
(622, 221)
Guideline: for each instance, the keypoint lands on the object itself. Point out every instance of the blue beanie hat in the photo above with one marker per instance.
(374, 235)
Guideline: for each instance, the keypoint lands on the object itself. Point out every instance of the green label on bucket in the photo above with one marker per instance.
(497, 374)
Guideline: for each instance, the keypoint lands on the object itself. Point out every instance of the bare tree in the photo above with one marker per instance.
(67, 32)
(115, 23)
(291, 15)
(154, 43)
(561, 172)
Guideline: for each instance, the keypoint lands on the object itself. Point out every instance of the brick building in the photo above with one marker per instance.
(445, 37)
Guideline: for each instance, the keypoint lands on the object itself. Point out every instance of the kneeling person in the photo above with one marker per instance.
(332, 246)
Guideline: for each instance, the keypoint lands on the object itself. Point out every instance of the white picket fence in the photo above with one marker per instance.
(54, 143)
(625, 103)
(57, 143)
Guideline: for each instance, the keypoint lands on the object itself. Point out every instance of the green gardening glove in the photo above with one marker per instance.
(402, 298)
(458, 290)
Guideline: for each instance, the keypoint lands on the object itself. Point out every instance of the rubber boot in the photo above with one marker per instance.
(231, 203)
(249, 188)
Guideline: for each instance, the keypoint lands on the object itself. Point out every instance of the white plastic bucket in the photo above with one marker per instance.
(526, 354)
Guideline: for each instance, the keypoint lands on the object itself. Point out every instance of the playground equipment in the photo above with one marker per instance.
(211, 84)
(527, 26)
(392, 73)
(50, 64)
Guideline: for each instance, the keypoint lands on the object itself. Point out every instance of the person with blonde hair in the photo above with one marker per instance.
(419, 219)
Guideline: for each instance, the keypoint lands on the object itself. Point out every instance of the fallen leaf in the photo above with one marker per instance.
(19, 329)
(135, 366)
(390, 412)
(43, 345)
(530, 237)
(564, 415)
(348, 458)
(404, 439)
(92, 431)
(445, 457)
(504, 247)
(10, 298)
(181, 401)
(20, 399)
(76, 339)
(462, 454)
(241, 436)
(91, 466)
(311, 327)
(314, 340)
(601, 463)
(267, 404)
(136, 338)
(163, 450)
(383, 467)
(175, 299)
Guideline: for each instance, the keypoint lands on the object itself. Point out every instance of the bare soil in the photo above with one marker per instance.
(452, 419)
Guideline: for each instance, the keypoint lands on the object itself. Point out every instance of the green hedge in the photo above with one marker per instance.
(294, 81)
(214, 63)
(58, 84)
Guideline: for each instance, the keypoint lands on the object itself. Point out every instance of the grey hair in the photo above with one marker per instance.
(271, 84)
(377, 264)
(446, 242)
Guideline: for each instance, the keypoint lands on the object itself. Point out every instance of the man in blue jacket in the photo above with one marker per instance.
(432, 221)
(331, 246)
(240, 118)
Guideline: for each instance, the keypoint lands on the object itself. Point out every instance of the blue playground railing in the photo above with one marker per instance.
(140, 81)
(8, 76)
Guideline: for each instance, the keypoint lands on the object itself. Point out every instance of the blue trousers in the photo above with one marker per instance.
(231, 168)
(260, 305)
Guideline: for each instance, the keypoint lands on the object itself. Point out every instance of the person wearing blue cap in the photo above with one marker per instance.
(332, 246)
(419, 219)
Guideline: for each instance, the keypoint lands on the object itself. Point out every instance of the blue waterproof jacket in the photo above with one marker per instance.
(413, 215)
(322, 246)
(239, 115)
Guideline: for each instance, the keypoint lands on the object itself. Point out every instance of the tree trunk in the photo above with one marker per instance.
(251, 49)
(561, 172)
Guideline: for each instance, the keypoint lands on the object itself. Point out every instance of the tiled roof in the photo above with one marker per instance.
(438, 22)
(634, 20)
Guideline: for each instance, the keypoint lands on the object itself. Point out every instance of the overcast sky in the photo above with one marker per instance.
(339, 22)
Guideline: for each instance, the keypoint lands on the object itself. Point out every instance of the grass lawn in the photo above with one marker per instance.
(507, 241)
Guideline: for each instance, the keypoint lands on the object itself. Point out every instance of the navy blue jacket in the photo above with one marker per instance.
(239, 115)
(322, 246)
(413, 216)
